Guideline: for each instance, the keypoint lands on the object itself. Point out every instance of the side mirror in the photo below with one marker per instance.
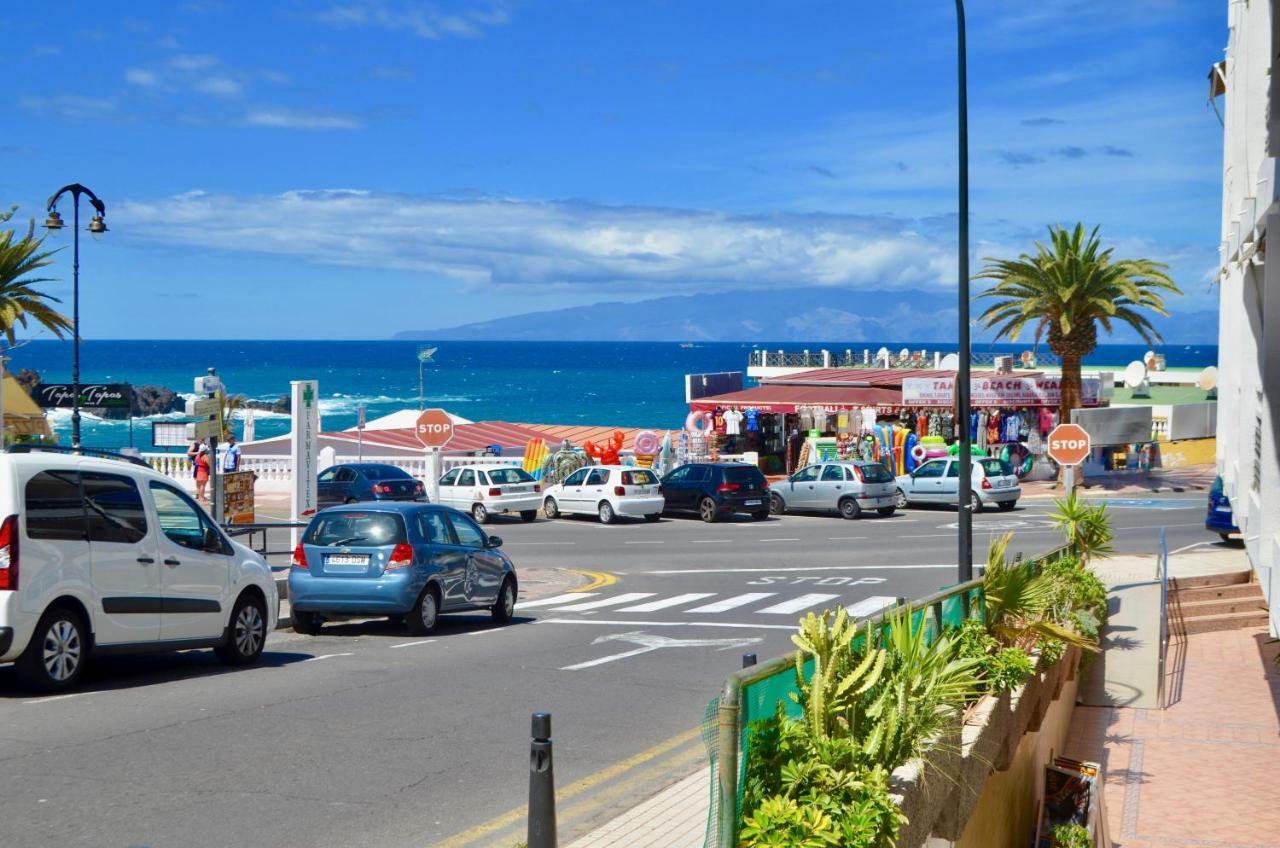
(493, 542)
(212, 541)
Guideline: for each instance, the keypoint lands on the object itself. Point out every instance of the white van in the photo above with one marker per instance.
(104, 555)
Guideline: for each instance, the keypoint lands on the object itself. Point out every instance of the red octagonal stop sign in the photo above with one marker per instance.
(1069, 444)
(434, 428)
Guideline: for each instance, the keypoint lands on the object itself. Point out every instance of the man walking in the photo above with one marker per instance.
(231, 459)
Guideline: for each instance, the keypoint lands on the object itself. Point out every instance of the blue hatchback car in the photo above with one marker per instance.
(398, 559)
(1220, 519)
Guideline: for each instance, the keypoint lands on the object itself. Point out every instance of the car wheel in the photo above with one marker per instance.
(505, 608)
(1007, 506)
(653, 517)
(479, 513)
(528, 515)
(762, 515)
(247, 635)
(606, 512)
(849, 509)
(707, 510)
(777, 506)
(426, 612)
(975, 502)
(550, 508)
(55, 656)
(306, 623)
(900, 500)
(886, 511)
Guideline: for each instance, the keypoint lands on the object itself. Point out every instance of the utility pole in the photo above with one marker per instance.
(962, 377)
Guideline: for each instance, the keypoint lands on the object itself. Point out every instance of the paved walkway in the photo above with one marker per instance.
(674, 818)
(1190, 479)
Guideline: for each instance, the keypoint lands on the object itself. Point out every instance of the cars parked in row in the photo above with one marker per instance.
(714, 490)
(846, 487)
(937, 481)
(485, 490)
(367, 481)
(607, 491)
(402, 560)
(99, 554)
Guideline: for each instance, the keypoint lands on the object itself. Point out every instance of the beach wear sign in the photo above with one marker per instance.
(92, 396)
(305, 415)
(995, 391)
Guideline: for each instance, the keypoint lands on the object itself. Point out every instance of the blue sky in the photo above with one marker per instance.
(297, 169)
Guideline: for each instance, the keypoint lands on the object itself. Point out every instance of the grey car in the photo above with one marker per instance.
(367, 481)
(846, 487)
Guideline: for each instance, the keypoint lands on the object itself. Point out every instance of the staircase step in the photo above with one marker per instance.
(1226, 578)
(1227, 621)
(1216, 593)
(1200, 609)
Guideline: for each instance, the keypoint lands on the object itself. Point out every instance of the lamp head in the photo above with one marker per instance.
(54, 222)
(97, 226)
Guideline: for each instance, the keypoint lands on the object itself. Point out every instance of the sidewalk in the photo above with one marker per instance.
(674, 818)
(1193, 478)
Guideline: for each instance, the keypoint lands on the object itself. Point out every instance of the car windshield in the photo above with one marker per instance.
(875, 473)
(501, 476)
(366, 529)
(743, 474)
(384, 472)
(639, 477)
(995, 467)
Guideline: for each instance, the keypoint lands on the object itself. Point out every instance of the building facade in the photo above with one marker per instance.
(1246, 96)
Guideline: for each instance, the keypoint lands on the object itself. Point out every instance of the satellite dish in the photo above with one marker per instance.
(882, 353)
(950, 362)
(1028, 358)
(1208, 379)
(1135, 377)
(904, 354)
(1149, 359)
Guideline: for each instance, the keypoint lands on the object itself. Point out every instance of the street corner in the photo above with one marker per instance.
(544, 581)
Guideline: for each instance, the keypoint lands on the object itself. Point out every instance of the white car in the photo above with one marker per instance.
(937, 481)
(483, 490)
(104, 555)
(607, 491)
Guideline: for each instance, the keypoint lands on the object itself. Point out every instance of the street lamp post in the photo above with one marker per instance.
(97, 226)
(962, 377)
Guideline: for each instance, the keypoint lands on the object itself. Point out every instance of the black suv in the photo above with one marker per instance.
(713, 490)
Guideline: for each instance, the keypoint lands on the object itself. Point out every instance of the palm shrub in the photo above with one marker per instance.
(1087, 527)
(20, 301)
(1000, 669)
(1019, 603)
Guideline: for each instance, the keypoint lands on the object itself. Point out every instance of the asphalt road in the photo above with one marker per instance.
(364, 735)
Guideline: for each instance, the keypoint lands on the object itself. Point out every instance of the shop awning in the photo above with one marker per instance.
(21, 415)
(776, 398)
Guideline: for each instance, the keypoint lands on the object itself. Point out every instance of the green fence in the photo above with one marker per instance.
(755, 693)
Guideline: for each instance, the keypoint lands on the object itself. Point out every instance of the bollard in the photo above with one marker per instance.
(542, 786)
(748, 660)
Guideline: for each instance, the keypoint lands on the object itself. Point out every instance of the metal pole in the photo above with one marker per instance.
(542, 787)
(420, 393)
(962, 378)
(75, 322)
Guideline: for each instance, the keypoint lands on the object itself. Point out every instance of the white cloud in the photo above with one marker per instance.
(297, 119)
(193, 61)
(537, 245)
(218, 86)
(142, 77)
(423, 20)
(72, 107)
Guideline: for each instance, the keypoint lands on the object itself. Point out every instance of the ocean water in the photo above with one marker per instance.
(600, 383)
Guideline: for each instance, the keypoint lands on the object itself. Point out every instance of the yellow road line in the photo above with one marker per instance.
(510, 817)
(599, 579)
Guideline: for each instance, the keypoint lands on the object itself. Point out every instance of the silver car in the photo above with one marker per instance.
(937, 481)
(846, 487)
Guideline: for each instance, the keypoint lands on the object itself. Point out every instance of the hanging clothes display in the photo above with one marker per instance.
(732, 422)
(752, 417)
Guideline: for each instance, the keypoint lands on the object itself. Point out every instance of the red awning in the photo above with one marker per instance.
(774, 398)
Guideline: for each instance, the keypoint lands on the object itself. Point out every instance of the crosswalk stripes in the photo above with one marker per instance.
(625, 598)
(663, 603)
(648, 602)
(557, 599)
(796, 604)
(733, 603)
(869, 606)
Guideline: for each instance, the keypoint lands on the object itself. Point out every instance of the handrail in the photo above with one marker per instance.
(1162, 574)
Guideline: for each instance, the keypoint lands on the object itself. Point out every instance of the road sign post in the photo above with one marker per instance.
(1069, 445)
(434, 430)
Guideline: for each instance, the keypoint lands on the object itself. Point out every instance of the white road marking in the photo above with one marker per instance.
(59, 697)
(656, 542)
(1189, 547)
(732, 603)
(482, 632)
(870, 606)
(519, 542)
(777, 540)
(667, 623)
(711, 542)
(797, 604)
(327, 657)
(624, 598)
(611, 658)
(951, 565)
(844, 538)
(650, 642)
(555, 599)
(652, 606)
(411, 644)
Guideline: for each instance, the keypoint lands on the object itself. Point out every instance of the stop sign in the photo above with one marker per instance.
(1068, 444)
(434, 428)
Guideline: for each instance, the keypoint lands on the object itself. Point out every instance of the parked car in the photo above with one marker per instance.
(1220, 519)
(937, 481)
(714, 490)
(367, 481)
(607, 491)
(99, 554)
(844, 487)
(398, 559)
(483, 490)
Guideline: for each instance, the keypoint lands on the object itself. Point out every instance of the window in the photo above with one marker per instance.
(639, 477)
(435, 528)
(994, 467)
(699, 474)
(362, 529)
(114, 508)
(743, 474)
(450, 478)
(384, 472)
(345, 475)
(598, 477)
(504, 476)
(467, 478)
(953, 470)
(179, 518)
(875, 473)
(679, 474)
(576, 478)
(327, 475)
(931, 469)
(55, 509)
(482, 478)
(833, 472)
(469, 535)
(806, 475)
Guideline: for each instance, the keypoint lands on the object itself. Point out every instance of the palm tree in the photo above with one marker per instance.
(19, 301)
(1066, 290)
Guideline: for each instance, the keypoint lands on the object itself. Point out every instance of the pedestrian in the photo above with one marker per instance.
(202, 471)
(231, 459)
(191, 455)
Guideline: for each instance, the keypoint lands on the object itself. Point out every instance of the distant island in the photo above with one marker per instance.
(808, 314)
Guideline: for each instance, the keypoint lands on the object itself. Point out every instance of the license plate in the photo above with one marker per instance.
(346, 559)
(1222, 508)
(644, 490)
(753, 503)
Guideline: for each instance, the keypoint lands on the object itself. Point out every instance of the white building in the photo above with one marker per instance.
(1247, 96)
